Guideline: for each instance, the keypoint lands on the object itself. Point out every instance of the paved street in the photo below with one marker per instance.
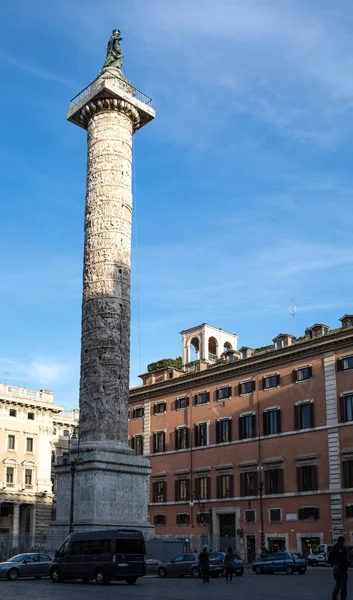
(315, 584)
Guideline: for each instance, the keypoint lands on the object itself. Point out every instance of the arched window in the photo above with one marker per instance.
(212, 349)
(194, 349)
(227, 346)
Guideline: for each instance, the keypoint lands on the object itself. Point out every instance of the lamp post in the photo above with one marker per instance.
(73, 442)
(261, 491)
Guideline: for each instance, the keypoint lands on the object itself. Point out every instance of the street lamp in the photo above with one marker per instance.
(261, 491)
(73, 442)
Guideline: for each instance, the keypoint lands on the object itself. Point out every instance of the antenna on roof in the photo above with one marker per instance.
(293, 310)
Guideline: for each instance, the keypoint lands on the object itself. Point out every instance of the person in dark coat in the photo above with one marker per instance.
(229, 564)
(339, 560)
(204, 564)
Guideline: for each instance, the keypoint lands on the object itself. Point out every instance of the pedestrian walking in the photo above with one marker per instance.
(204, 564)
(229, 564)
(339, 560)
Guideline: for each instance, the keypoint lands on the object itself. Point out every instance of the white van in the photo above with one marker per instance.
(319, 555)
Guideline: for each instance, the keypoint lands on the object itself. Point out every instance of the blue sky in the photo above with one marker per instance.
(243, 183)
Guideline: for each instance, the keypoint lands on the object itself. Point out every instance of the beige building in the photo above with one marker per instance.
(33, 431)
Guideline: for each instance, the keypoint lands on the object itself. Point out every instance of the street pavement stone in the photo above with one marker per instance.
(315, 584)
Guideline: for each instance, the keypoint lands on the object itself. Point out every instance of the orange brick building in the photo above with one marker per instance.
(230, 423)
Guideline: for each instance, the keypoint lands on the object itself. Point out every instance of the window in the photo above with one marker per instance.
(346, 409)
(160, 408)
(182, 490)
(224, 393)
(272, 381)
(247, 426)
(275, 515)
(183, 519)
(181, 438)
(307, 478)
(274, 481)
(160, 519)
(28, 478)
(308, 513)
(279, 344)
(159, 491)
(200, 434)
(344, 364)
(348, 474)
(244, 354)
(250, 516)
(225, 486)
(203, 488)
(302, 374)
(249, 483)
(137, 444)
(66, 433)
(159, 441)
(29, 445)
(223, 431)
(247, 387)
(181, 403)
(91, 547)
(10, 476)
(13, 412)
(138, 412)
(349, 511)
(304, 415)
(202, 398)
(30, 416)
(54, 431)
(203, 518)
(11, 441)
(272, 421)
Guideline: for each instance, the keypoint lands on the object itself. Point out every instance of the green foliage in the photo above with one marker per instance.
(177, 363)
(264, 348)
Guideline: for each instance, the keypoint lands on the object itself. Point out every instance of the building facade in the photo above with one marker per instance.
(33, 431)
(276, 421)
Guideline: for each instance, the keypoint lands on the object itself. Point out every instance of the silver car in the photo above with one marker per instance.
(188, 564)
(26, 565)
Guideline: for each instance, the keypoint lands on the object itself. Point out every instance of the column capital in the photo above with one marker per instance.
(108, 105)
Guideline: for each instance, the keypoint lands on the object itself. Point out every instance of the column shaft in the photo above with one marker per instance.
(15, 525)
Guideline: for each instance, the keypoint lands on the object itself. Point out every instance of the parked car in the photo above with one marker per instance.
(281, 562)
(152, 565)
(188, 564)
(238, 563)
(26, 565)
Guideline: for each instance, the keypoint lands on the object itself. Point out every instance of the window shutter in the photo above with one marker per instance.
(196, 399)
(219, 488)
(241, 428)
(301, 514)
(154, 442)
(154, 491)
(339, 364)
(278, 379)
(295, 375)
(176, 435)
(163, 441)
(230, 430)
(315, 480)
(187, 438)
(255, 483)
(316, 514)
(281, 481)
(177, 403)
(279, 425)
(253, 425)
(345, 466)
(218, 432)
(229, 391)
(164, 491)
(207, 396)
(253, 386)
(297, 417)
(231, 486)
(264, 383)
(155, 409)
(310, 370)
(265, 422)
(176, 487)
(197, 488)
(299, 479)
(349, 511)
(312, 415)
(343, 414)
(133, 443)
(196, 435)
(217, 394)
(208, 488)
(242, 483)
(267, 482)
(187, 401)
(240, 389)
(188, 489)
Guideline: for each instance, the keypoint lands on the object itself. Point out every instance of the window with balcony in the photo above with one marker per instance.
(202, 398)
(271, 381)
(200, 434)
(347, 473)
(275, 515)
(249, 483)
(138, 412)
(247, 426)
(160, 408)
(137, 444)
(30, 416)
(183, 519)
(223, 431)
(182, 490)
(203, 488)
(224, 393)
(304, 415)
(250, 515)
(28, 478)
(11, 442)
(272, 421)
(13, 412)
(182, 403)
(346, 408)
(159, 491)
(225, 486)
(10, 476)
(29, 445)
(181, 438)
(302, 374)
(345, 364)
(307, 478)
(159, 441)
(247, 387)
(274, 481)
(308, 513)
(160, 519)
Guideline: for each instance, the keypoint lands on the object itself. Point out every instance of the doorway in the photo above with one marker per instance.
(276, 544)
(250, 548)
(308, 545)
(227, 531)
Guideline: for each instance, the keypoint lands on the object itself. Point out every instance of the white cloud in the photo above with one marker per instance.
(36, 372)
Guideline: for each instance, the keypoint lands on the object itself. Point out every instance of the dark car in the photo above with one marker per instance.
(238, 563)
(188, 564)
(101, 555)
(280, 562)
(26, 565)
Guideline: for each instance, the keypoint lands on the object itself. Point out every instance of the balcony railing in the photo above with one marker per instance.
(212, 357)
(122, 83)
